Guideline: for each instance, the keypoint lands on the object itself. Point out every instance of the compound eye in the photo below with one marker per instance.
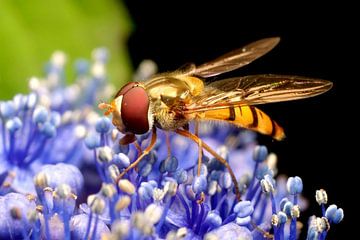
(135, 109)
(125, 88)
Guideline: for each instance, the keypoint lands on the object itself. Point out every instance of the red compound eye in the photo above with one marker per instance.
(135, 108)
(125, 88)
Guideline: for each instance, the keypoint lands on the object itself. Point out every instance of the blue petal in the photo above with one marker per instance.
(10, 228)
(62, 173)
(23, 184)
(56, 227)
(190, 235)
(232, 231)
(176, 215)
(79, 224)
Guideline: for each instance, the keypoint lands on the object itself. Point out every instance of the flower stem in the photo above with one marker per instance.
(88, 226)
(251, 191)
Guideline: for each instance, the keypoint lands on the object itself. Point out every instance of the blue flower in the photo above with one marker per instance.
(195, 206)
(47, 126)
(55, 147)
(230, 231)
(14, 209)
(53, 175)
(82, 229)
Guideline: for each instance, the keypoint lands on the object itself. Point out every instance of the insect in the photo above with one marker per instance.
(170, 101)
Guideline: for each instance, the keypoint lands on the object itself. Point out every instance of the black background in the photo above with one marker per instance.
(316, 41)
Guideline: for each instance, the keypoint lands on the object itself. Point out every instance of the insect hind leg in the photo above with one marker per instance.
(200, 155)
(216, 156)
(197, 140)
(200, 148)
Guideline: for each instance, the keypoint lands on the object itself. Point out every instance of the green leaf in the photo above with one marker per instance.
(31, 30)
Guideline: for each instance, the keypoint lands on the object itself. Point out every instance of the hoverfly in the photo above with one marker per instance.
(171, 100)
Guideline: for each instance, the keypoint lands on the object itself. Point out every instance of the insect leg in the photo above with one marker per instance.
(138, 147)
(202, 195)
(143, 154)
(233, 178)
(200, 147)
(217, 156)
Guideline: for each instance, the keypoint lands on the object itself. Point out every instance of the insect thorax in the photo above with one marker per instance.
(167, 118)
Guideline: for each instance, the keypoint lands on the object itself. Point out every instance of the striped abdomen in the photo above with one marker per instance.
(248, 117)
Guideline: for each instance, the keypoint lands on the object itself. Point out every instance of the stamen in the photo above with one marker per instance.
(122, 203)
(126, 186)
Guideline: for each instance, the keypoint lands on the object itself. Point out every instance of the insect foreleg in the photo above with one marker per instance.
(143, 154)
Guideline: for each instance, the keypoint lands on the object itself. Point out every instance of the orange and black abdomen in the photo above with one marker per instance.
(248, 117)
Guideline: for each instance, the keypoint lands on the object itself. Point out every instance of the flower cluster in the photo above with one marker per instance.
(48, 125)
(48, 135)
(166, 188)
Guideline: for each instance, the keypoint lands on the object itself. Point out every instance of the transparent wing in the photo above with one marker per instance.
(256, 89)
(236, 58)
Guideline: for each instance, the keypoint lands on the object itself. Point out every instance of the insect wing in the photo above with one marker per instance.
(236, 58)
(231, 100)
(256, 89)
